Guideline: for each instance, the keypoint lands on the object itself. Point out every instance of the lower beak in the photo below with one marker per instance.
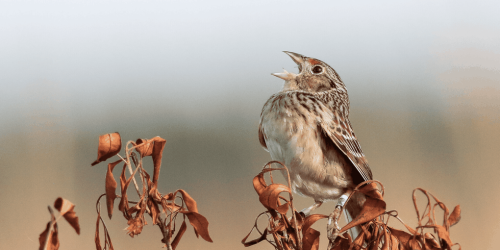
(285, 75)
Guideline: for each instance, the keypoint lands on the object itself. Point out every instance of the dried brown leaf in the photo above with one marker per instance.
(270, 197)
(454, 216)
(109, 146)
(311, 219)
(402, 236)
(43, 236)
(153, 208)
(259, 183)
(136, 208)
(144, 147)
(414, 244)
(373, 207)
(169, 196)
(49, 237)
(359, 241)
(172, 207)
(153, 191)
(135, 226)
(124, 183)
(199, 223)
(152, 147)
(310, 240)
(111, 187)
(430, 242)
(443, 234)
(138, 221)
(65, 207)
(188, 200)
(342, 243)
(178, 237)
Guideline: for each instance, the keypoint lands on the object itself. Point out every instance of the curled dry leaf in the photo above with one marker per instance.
(255, 241)
(199, 223)
(259, 183)
(373, 207)
(188, 200)
(152, 147)
(144, 147)
(111, 188)
(65, 207)
(109, 146)
(285, 233)
(270, 197)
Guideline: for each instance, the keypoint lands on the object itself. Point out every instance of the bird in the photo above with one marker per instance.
(306, 127)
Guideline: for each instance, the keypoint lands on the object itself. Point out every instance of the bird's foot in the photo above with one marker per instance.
(332, 228)
(333, 232)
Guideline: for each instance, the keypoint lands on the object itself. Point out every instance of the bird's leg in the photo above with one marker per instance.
(333, 228)
(307, 211)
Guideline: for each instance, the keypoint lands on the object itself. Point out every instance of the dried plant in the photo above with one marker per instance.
(163, 209)
(49, 237)
(296, 233)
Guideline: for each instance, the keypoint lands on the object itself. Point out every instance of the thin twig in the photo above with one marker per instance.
(129, 166)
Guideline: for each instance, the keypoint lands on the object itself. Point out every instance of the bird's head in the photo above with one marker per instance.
(314, 75)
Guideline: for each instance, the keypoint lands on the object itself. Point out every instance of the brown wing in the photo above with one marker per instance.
(261, 138)
(339, 129)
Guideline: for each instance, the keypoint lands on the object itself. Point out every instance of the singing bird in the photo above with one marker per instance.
(306, 126)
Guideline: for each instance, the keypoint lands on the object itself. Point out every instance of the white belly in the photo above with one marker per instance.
(317, 168)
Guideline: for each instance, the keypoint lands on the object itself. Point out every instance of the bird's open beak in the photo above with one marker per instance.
(287, 76)
(298, 59)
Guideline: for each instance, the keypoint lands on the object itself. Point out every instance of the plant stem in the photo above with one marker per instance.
(129, 166)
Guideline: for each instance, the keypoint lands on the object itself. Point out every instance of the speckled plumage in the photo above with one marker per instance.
(306, 126)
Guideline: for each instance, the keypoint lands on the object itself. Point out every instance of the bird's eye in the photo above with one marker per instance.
(317, 69)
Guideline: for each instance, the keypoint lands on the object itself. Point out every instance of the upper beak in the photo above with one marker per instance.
(297, 58)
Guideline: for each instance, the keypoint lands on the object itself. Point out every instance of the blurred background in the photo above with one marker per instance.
(423, 79)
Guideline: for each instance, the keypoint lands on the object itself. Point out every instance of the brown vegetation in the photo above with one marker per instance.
(286, 228)
(162, 208)
(296, 232)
